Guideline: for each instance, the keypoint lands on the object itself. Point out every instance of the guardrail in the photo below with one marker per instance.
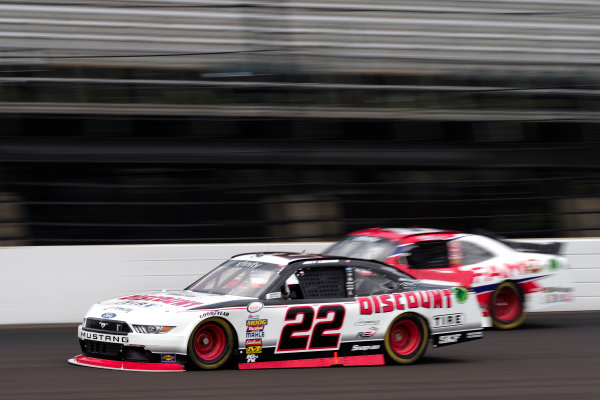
(56, 284)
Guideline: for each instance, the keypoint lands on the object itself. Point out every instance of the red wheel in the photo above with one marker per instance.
(506, 307)
(406, 339)
(211, 344)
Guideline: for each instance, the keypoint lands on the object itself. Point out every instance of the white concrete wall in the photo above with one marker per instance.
(584, 256)
(56, 284)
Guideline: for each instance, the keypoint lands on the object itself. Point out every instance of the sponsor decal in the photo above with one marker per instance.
(557, 294)
(357, 347)
(365, 322)
(402, 301)
(257, 322)
(274, 295)
(101, 337)
(250, 358)
(108, 315)
(475, 335)
(554, 264)
(449, 339)
(490, 273)
(462, 294)
(441, 321)
(255, 307)
(253, 342)
(168, 358)
(123, 309)
(215, 313)
(455, 255)
(559, 297)
(255, 328)
(367, 334)
(560, 289)
(247, 264)
(163, 299)
(255, 334)
(253, 349)
(319, 262)
(533, 266)
(350, 281)
(143, 304)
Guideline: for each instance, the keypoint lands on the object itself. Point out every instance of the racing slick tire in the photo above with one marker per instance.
(507, 306)
(211, 344)
(406, 339)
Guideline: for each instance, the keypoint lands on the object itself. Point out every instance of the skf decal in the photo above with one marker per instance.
(449, 339)
(168, 358)
(402, 301)
(163, 299)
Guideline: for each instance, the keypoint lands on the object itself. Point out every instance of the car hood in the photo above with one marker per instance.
(158, 301)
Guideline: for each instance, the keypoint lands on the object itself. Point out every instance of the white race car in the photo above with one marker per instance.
(280, 310)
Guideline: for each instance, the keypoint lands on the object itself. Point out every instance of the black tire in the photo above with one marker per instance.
(406, 339)
(507, 306)
(211, 344)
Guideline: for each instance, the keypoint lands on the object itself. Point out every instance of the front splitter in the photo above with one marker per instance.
(85, 361)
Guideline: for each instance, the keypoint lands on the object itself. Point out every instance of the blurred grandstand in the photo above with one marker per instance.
(221, 121)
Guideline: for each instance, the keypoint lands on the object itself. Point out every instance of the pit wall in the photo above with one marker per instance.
(57, 284)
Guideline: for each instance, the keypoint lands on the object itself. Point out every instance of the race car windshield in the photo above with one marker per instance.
(238, 278)
(365, 247)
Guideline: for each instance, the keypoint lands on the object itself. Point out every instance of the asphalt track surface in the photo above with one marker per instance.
(553, 356)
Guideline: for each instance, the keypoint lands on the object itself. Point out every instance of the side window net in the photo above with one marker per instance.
(322, 282)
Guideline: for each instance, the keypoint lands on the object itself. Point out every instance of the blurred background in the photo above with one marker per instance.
(164, 121)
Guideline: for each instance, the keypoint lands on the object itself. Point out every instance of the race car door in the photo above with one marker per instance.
(316, 319)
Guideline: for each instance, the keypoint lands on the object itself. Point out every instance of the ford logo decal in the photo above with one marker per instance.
(109, 315)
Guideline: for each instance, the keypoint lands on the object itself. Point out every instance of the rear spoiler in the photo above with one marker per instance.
(529, 247)
(544, 248)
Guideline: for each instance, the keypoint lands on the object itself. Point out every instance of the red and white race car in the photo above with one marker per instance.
(509, 277)
(279, 310)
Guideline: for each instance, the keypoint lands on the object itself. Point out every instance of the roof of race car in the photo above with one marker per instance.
(278, 258)
(416, 234)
